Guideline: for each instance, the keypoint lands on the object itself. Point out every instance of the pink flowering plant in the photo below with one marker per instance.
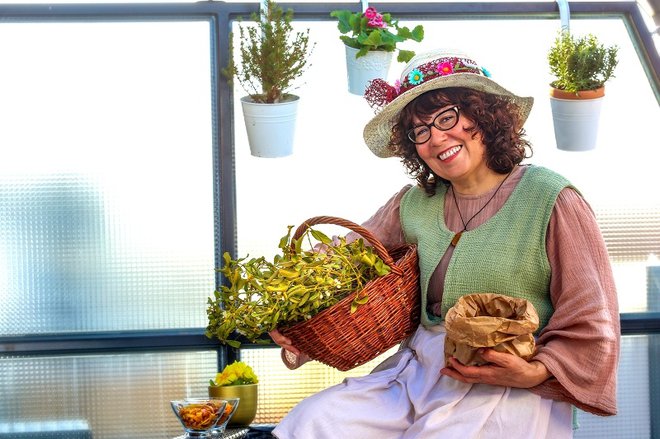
(372, 30)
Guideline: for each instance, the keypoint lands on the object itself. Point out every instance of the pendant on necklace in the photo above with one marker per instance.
(456, 238)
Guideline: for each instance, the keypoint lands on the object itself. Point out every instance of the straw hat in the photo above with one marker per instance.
(427, 71)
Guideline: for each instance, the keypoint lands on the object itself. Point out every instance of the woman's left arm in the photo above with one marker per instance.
(580, 345)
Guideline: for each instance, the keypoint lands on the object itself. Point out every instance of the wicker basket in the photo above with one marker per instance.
(343, 340)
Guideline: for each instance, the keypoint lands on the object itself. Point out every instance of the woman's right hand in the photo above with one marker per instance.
(283, 341)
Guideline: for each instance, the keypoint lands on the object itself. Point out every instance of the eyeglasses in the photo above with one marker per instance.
(444, 121)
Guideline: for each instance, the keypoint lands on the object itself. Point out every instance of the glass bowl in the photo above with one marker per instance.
(230, 409)
(198, 415)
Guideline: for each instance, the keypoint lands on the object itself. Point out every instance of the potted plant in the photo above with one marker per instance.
(581, 66)
(272, 58)
(370, 39)
(237, 380)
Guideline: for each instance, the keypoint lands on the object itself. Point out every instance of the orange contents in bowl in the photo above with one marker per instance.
(228, 408)
(199, 416)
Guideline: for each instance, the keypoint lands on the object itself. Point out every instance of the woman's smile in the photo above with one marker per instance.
(450, 153)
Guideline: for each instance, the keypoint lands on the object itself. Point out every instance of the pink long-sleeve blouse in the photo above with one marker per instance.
(580, 344)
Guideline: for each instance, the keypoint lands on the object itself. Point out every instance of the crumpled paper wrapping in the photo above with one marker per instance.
(489, 320)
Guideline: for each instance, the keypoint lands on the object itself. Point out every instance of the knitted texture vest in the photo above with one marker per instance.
(505, 255)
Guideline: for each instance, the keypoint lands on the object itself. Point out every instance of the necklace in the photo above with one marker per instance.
(457, 236)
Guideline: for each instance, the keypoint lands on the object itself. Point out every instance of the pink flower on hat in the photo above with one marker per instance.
(370, 13)
(397, 86)
(445, 68)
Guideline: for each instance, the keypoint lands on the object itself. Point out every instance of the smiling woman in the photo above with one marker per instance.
(480, 220)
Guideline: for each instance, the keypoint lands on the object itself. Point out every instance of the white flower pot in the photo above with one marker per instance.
(576, 122)
(270, 127)
(375, 64)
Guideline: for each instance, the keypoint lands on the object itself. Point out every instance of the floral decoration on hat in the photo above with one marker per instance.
(379, 93)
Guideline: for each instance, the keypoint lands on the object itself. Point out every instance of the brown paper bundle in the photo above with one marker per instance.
(489, 320)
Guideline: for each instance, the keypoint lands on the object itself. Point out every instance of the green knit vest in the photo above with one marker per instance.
(505, 255)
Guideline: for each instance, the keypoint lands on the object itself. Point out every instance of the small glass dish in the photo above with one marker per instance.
(198, 415)
(230, 409)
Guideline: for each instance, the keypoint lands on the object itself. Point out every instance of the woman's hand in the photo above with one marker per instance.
(291, 355)
(283, 341)
(503, 369)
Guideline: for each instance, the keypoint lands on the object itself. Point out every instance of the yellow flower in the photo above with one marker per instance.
(235, 374)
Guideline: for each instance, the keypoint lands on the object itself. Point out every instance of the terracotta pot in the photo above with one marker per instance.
(247, 406)
(582, 94)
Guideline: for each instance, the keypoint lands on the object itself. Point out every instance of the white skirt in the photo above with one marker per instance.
(408, 398)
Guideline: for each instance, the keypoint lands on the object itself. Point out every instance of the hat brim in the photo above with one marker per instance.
(378, 130)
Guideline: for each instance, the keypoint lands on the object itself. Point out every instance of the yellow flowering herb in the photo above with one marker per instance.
(235, 374)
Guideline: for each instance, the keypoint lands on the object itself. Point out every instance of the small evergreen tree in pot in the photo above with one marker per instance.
(581, 66)
(581, 63)
(272, 56)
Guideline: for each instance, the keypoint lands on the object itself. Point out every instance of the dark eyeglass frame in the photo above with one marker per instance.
(411, 132)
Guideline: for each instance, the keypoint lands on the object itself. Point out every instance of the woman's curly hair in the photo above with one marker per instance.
(495, 117)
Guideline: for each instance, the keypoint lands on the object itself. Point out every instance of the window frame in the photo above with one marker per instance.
(220, 15)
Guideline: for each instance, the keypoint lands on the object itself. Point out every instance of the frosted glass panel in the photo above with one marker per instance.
(107, 396)
(106, 181)
(280, 388)
(637, 368)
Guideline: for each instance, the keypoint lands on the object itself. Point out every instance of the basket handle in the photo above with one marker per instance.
(366, 234)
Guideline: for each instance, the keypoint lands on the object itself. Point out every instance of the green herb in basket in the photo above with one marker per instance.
(294, 287)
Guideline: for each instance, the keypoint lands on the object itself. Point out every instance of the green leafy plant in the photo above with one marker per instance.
(272, 56)
(294, 287)
(237, 373)
(581, 63)
(372, 30)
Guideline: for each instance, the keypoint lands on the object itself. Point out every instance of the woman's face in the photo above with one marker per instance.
(453, 154)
